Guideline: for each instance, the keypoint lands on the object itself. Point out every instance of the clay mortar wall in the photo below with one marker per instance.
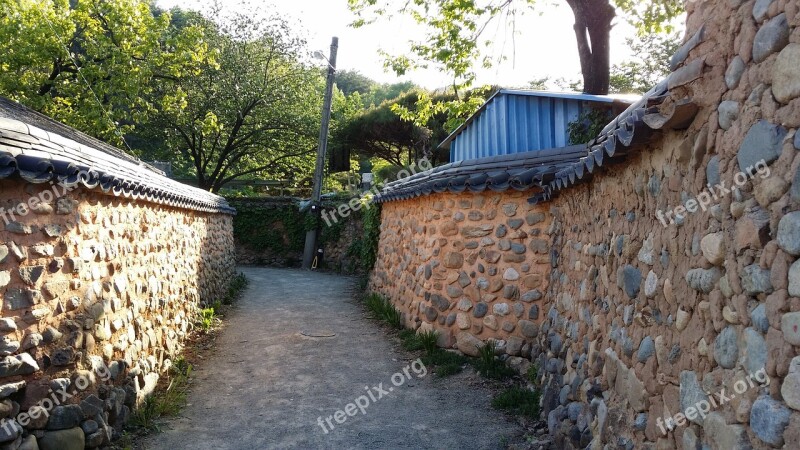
(641, 322)
(99, 293)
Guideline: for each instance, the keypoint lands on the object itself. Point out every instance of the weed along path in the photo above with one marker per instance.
(300, 365)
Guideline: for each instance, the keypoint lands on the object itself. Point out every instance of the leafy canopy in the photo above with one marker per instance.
(91, 63)
(455, 42)
(252, 111)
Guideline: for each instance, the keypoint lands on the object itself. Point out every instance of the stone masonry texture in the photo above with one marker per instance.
(98, 295)
(632, 322)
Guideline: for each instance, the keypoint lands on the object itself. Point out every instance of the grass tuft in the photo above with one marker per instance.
(165, 403)
(533, 374)
(236, 286)
(382, 309)
(444, 363)
(428, 341)
(206, 319)
(489, 365)
(518, 400)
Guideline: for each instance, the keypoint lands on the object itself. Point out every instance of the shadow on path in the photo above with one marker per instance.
(266, 383)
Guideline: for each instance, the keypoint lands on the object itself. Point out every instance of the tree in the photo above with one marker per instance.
(90, 64)
(379, 132)
(372, 93)
(456, 27)
(351, 81)
(649, 65)
(253, 111)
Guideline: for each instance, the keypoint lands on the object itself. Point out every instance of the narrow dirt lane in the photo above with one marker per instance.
(267, 383)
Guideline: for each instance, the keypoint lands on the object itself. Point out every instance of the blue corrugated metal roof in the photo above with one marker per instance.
(515, 121)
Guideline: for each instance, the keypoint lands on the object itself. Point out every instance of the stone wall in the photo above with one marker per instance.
(660, 333)
(99, 293)
(473, 267)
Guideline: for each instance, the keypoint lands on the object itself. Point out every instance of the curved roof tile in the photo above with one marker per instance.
(41, 150)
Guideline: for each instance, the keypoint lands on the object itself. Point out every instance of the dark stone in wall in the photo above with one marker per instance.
(762, 142)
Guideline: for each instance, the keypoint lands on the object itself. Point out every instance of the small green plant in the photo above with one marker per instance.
(589, 123)
(409, 340)
(173, 399)
(518, 400)
(382, 309)
(237, 284)
(504, 441)
(488, 365)
(428, 341)
(181, 367)
(206, 319)
(441, 362)
(146, 414)
(168, 402)
(444, 363)
(533, 373)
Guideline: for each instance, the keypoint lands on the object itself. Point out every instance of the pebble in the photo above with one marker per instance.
(768, 420)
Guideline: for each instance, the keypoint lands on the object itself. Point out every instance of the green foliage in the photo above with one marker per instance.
(146, 415)
(93, 64)
(181, 367)
(235, 288)
(413, 341)
(252, 111)
(455, 108)
(370, 93)
(365, 248)
(164, 403)
(409, 340)
(380, 132)
(281, 229)
(588, 125)
(489, 365)
(206, 319)
(382, 309)
(440, 361)
(456, 43)
(651, 17)
(428, 341)
(444, 363)
(518, 400)
(371, 236)
(533, 374)
(649, 65)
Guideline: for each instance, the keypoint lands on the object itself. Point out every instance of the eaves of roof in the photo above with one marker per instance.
(520, 171)
(38, 156)
(621, 138)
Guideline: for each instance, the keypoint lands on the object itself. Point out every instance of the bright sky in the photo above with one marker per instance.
(544, 46)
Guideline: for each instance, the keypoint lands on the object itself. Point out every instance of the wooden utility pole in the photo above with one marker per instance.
(319, 171)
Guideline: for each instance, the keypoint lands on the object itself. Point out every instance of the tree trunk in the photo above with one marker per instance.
(592, 31)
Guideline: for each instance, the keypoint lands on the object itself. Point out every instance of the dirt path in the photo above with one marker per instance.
(267, 384)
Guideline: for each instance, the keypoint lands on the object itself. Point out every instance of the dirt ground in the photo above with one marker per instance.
(296, 349)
